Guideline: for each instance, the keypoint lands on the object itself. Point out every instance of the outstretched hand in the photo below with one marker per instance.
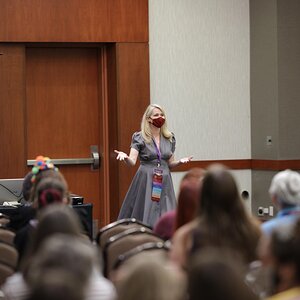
(121, 155)
(185, 160)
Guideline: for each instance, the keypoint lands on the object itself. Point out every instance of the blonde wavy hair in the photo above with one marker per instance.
(145, 126)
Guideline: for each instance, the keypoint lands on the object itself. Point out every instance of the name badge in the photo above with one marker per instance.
(156, 184)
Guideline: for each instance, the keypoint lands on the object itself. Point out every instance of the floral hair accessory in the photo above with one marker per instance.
(42, 163)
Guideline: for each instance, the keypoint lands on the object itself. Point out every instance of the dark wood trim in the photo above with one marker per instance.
(275, 165)
(243, 164)
(235, 164)
(112, 95)
(104, 137)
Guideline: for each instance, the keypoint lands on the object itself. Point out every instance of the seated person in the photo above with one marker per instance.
(49, 186)
(187, 205)
(285, 194)
(24, 213)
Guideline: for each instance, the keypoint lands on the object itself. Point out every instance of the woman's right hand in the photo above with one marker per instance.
(121, 155)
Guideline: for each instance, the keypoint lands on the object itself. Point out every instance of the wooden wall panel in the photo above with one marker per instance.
(12, 105)
(74, 21)
(133, 96)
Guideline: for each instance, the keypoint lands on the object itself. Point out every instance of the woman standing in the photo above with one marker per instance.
(151, 192)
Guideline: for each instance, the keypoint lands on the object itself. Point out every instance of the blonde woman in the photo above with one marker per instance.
(151, 192)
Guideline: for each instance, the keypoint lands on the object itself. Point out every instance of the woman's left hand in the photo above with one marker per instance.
(185, 160)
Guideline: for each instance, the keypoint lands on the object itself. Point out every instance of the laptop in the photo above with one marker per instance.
(11, 191)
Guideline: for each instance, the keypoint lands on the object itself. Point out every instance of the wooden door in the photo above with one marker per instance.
(63, 113)
(58, 100)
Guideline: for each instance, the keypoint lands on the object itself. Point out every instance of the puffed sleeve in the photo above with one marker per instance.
(137, 141)
(173, 143)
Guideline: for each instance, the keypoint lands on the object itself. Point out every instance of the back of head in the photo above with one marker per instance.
(216, 275)
(189, 196)
(164, 226)
(50, 190)
(223, 219)
(285, 254)
(27, 186)
(150, 277)
(219, 194)
(285, 186)
(63, 252)
(58, 285)
(57, 219)
(44, 168)
(193, 174)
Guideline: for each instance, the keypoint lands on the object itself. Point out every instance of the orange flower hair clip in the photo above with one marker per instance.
(42, 163)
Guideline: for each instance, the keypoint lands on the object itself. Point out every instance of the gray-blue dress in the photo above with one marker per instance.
(137, 203)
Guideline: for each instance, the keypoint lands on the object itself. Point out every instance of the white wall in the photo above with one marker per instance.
(200, 74)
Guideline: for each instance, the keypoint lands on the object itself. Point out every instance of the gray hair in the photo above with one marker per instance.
(285, 186)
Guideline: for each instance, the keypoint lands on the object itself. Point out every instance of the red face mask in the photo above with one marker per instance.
(158, 122)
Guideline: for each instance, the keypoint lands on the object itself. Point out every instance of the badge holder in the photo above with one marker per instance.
(156, 184)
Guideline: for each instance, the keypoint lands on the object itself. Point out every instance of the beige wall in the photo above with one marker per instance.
(200, 73)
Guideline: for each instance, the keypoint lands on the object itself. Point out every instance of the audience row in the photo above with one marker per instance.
(215, 248)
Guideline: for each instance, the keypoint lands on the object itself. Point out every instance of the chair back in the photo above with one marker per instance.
(7, 236)
(125, 241)
(4, 220)
(8, 261)
(152, 248)
(117, 227)
(5, 271)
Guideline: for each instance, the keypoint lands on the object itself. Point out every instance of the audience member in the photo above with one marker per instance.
(222, 220)
(68, 251)
(215, 274)
(285, 194)
(164, 227)
(27, 186)
(148, 278)
(43, 168)
(188, 198)
(25, 212)
(48, 191)
(53, 219)
(257, 277)
(58, 285)
(187, 204)
(77, 256)
(282, 258)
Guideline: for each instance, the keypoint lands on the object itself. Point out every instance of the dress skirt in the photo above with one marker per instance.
(138, 204)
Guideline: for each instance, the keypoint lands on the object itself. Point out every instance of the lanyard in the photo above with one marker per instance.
(158, 153)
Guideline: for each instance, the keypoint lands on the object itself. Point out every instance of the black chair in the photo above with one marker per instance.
(7, 236)
(4, 220)
(125, 241)
(149, 248)
(117, 227)
(8, 261)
